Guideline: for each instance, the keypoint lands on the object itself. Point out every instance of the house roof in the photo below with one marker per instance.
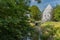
(48, 8)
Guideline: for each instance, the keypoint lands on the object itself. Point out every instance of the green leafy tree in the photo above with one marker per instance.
(35, 12)
(56, 13)
(13, 24)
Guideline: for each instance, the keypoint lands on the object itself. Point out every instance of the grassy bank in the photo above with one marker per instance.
(55, 24)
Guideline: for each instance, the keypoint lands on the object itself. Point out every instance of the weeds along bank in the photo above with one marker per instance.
(50, 31)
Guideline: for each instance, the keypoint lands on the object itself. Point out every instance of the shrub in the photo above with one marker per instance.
(50, 32)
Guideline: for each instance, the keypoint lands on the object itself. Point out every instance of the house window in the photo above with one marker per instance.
(44, 15)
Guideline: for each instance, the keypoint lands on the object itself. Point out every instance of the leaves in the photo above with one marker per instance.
(13, 24)
(56, 12)
(35, 12)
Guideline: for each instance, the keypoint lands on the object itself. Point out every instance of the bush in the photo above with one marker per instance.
(50, 32)
(13, 24)
(56, 13)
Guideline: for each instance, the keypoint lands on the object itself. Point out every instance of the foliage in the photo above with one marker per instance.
(56, 24)
(56, 13)
(50, 32)
(13, 24)
(47, 31)
(35, 12)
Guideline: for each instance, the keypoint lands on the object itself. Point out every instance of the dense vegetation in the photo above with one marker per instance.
(56, 13)
(14, 24)
(35, 12)
(50, 31)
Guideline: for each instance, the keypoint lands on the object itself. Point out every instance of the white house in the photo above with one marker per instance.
(47, 13)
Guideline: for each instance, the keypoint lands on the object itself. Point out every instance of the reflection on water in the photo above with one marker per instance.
(28, 38)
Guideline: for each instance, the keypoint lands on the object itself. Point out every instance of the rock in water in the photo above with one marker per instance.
(47, 14)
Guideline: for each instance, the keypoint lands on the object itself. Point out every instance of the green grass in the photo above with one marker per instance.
(55, 24)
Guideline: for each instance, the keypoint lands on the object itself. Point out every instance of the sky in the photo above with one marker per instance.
(44, 3)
